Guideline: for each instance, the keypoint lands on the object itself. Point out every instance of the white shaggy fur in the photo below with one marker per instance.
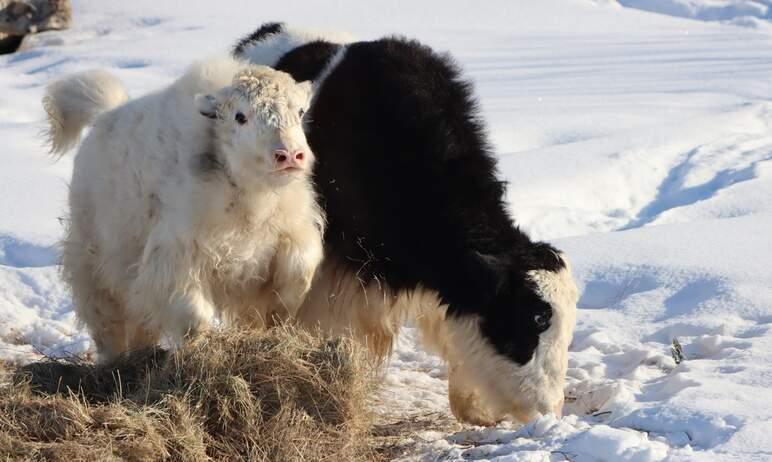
(76, 102)
(271, 48)
(493, 388)
(177, 218)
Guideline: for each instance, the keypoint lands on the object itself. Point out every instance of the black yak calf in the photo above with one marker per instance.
(417, 224)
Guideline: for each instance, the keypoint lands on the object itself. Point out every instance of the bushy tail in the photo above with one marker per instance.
(74, 102)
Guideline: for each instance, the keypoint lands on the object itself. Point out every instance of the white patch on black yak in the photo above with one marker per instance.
(270, 47)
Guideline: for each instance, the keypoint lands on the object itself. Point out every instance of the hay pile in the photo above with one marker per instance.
(281, 395)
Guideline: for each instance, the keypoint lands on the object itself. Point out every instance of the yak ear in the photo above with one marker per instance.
(307, 88)
(206, 105)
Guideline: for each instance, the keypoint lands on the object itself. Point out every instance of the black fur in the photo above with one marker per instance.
(261, 33)
(410, 187)
(10, 44)
(308, 61)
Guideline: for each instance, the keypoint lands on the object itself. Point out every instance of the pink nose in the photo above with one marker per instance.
(285, 160)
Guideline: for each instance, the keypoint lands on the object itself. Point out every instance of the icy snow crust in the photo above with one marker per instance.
(638, 143)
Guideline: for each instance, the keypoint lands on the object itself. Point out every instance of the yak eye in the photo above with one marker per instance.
(541, 320)
(301, 113)
(241, 118)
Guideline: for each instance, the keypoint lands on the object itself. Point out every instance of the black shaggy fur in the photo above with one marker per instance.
(410, 186)
(261, 33)
(10, 44)
(308, 61)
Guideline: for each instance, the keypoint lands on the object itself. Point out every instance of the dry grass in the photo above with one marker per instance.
(395, 437)
(281, 395)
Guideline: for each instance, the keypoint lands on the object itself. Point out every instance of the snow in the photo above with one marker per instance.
(706, 10)
(638, 142)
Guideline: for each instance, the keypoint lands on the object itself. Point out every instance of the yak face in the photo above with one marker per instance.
(534, 297)
(258, 126)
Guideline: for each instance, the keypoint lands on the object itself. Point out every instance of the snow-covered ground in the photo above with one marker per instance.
(742, 12)
(639, 143)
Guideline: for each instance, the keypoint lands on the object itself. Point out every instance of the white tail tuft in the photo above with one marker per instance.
(74, 102)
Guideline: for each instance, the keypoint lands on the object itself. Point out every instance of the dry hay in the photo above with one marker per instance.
(281, 395)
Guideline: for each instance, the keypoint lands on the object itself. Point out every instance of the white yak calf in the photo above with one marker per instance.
(186, 205)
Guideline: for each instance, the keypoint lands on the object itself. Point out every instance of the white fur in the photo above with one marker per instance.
(270, 49)
(158, 245)
(484, 386)
(74, 103)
